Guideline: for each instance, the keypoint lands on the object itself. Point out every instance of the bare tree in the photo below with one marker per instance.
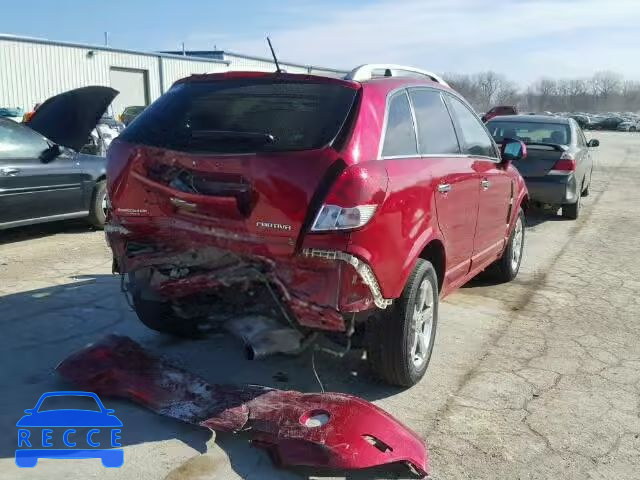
(604, 92)
(489, 84)
(630, 95)
(507, 94)
(545, 89)
(604, 84)
(466, 86)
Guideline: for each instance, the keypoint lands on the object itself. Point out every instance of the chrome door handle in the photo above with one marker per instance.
(9, 172)
(485, 184)
(444, 188)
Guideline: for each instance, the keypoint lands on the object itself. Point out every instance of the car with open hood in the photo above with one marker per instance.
(349, 205)
(45, 174)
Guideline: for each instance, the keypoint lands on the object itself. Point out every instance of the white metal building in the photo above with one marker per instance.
(32, 70)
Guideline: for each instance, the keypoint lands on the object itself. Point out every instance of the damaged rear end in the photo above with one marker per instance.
(235, 186)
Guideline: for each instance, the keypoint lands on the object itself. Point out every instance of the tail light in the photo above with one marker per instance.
(564, 166)
(353, 199)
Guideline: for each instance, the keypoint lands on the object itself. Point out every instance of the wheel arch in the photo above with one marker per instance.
(434, 253)
(430, 246)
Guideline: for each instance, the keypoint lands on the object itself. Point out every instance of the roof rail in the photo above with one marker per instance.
(365, 72)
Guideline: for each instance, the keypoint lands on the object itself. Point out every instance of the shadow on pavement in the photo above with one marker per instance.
(14, 235)
(538, 215)
(42, 327)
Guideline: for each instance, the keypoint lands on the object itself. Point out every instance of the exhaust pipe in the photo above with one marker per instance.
(264, 336)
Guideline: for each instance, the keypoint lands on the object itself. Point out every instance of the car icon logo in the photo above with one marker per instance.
(85, 433)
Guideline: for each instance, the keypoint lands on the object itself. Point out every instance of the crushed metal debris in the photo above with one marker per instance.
(325, 430)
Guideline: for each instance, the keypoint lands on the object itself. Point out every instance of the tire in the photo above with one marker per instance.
(571, 211)
(395, 353)
(585, 192)
(97, 209)
(160, 316)
(508, 266)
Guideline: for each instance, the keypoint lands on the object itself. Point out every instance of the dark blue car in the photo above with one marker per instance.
(27, 455)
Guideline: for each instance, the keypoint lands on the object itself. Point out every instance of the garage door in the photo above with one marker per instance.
(133, 86)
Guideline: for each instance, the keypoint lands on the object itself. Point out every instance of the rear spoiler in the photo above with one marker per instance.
(552, 146)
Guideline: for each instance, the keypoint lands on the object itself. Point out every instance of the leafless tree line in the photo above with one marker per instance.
(603, 92)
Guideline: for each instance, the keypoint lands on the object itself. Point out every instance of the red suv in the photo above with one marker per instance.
(499, 111)
(344, 205)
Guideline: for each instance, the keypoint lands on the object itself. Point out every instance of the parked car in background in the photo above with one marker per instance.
(292, 181)
(583, 120)
(109, 121)
(130, 113)
(500, 110)
(558, 166)
(607, 123)
(629, 126)
(43, 177)
(14, 114)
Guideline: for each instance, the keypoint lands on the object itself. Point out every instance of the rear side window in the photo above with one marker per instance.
(475, 138)
(531, 132)
(436, 134)
(400, 136)
(244, 116)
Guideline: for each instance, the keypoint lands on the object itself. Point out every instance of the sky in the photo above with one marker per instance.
(523, 39)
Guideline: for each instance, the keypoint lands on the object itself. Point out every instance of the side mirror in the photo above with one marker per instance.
(593, 143)
(512, 150)
(50, 154)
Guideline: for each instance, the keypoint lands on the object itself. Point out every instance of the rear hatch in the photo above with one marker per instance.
(239, 156)
(546, 143)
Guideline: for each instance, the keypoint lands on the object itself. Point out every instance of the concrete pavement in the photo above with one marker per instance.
(538, 378)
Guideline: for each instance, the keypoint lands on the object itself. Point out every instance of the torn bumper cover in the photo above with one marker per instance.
(318, 286)
(328, 430)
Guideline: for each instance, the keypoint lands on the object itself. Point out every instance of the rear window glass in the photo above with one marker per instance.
(244, 116)
(531, 132)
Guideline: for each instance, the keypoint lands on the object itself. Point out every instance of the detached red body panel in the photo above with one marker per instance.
(327, 430)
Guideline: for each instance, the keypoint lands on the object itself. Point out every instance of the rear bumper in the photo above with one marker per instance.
(318, 286)
(553, 189)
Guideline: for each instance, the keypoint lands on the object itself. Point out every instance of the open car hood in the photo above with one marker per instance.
(68, 119)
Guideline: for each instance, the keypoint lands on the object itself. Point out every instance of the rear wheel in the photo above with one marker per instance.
(508, 266)
(571, 211)
(98, 207)
(585, 192)
(159, 315)
(400, 340)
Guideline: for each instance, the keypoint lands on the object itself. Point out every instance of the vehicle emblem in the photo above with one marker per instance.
(274, 226)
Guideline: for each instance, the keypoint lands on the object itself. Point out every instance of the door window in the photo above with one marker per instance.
(582, 141)
(476, 140)
(436, 134)
(18, 141)
(400, 136)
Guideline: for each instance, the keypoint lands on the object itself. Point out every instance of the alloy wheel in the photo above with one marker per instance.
(518, 241)
(422, 323)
